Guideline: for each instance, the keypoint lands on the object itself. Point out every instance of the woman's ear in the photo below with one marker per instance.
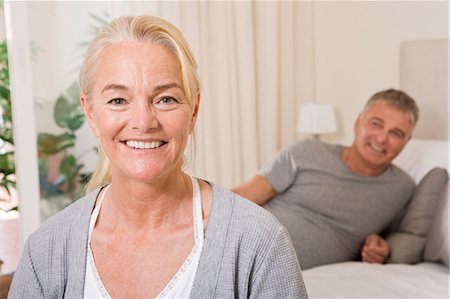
(87, 108)
(195, 112)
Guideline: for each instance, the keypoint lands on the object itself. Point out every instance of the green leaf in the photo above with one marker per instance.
(7, 183)
(50, 144)
(4, 91)
(62, 111)
(4, 184)
(67, 166)
(68, 112)
(7, 165)
(6, 134)
(65, 141)
(47, 144)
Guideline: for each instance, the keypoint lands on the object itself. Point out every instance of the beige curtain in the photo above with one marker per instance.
(254, 66)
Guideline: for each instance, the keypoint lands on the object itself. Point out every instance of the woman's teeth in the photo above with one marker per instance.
(144, 145)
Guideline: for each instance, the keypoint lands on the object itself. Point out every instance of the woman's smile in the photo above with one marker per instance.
(144, 144)
(140, 111)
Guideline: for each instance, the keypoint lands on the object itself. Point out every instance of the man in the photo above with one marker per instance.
(335, 200)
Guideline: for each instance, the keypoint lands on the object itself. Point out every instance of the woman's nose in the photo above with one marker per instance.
(144, 118)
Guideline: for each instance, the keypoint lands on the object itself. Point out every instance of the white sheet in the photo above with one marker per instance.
(362, 280)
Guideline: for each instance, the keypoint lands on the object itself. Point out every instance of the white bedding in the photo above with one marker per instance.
(358, 280)
(363, 280)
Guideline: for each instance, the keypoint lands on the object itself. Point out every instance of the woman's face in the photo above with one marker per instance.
(139, 111)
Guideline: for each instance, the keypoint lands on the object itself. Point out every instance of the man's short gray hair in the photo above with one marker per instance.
(398, 100)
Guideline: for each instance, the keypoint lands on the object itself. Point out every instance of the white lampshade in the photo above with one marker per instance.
(316, 118)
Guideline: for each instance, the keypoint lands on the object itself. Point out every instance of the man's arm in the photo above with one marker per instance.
(375, 250)
(257, 189)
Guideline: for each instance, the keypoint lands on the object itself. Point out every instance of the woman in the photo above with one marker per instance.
(148, 229)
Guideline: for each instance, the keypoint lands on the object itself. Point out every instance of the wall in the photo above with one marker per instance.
(356, 51)
(358, 46)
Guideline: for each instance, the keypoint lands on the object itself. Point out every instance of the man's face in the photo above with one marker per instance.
(381, 132)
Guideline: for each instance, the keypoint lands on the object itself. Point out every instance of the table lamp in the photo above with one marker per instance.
(316, 118)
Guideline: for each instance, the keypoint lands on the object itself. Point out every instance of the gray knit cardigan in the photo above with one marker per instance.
(247, 253)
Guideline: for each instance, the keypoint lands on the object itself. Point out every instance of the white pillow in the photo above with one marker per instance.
(421, 155)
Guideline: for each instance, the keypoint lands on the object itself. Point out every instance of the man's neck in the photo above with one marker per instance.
(353, 160)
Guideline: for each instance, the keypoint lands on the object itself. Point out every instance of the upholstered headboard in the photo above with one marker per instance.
(424, 76)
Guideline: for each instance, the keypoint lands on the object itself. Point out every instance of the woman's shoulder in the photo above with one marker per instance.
(242, 215)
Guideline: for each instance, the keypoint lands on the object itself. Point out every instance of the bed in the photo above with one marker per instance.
(428, 278)
(427, 274)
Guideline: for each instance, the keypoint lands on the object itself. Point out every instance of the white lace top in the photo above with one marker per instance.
(180, 285)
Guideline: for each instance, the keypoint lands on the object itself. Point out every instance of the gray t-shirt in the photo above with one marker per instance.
(327, 209)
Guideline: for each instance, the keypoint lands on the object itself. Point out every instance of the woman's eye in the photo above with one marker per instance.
(117, 101)
(167, 100)
(166, 103)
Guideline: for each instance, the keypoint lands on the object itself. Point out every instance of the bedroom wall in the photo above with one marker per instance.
(357, 50)
(357, 46)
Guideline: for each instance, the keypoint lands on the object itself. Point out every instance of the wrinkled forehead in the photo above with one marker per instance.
(137, 64)
(383, 106)
(391, 116)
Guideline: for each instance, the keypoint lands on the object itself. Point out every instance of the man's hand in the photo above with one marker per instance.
(375, 250)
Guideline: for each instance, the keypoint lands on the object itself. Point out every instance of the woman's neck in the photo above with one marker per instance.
(154, 205)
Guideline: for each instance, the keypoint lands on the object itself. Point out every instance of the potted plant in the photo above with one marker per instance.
(60, 173)
(54, 150)
(7, 164)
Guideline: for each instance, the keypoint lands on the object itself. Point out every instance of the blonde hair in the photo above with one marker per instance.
(143, 28)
